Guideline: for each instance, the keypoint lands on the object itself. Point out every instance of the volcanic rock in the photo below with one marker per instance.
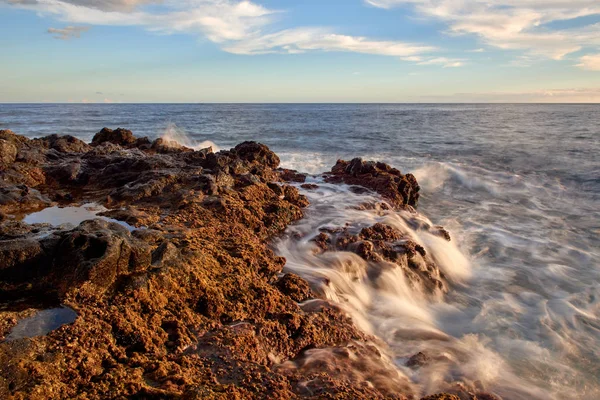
(400, 190)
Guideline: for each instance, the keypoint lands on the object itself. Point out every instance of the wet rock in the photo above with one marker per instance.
(164, 146)
(381, 232)
(289, 175)
(401, 190)
(441, 396)
(8, 154)
(309, 186)
(21, 198)
(417, 361)
(295, 287)
(134, 216)
(384, 246)
(120, 136)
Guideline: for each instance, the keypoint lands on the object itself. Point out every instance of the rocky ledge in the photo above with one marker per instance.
(183, 298)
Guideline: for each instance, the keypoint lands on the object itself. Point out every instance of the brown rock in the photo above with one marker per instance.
(401, 190)
(120, 136)
(8, 154)
(294, 286)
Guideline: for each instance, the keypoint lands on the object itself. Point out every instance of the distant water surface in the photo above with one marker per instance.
(517, 185)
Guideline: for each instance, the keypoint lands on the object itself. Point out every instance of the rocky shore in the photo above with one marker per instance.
(176, 290)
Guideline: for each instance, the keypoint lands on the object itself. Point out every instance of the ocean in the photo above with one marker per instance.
(517, 186)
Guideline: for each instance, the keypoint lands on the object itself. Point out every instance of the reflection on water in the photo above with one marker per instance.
(58, 216)
(42, 323)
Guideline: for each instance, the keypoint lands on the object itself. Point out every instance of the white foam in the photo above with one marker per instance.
(173, 133)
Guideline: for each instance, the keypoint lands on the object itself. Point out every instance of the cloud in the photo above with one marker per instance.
(68, 32)
(106, 5)
(513, 24)
(301, 40)
(239, 27)
(443, 61)
(590, 62)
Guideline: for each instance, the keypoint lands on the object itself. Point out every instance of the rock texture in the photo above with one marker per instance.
(400, 190)
(193, 304)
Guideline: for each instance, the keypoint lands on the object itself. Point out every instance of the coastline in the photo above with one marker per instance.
(191, 301)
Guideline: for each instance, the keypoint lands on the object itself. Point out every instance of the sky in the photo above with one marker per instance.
(300, 51)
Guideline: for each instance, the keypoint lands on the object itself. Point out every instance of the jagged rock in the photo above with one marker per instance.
(289, 175)
(401, 190)
(257, 153)
(163, 146)
(295, 287)
(120, 136)
(383, 243)
(64, 144)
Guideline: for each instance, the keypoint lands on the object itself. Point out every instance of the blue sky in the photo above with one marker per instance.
(308, 51)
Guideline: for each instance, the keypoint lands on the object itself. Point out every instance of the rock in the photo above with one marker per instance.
(163, 146)
(120, 136)
(288, 175)
(21, 198)
(8, 154)
(401, 190)
(384, 246)
(309, 186)
(64, 144)
(295, 287)
(190, 304)
(442, 396)
(417, 361)
(257, 153)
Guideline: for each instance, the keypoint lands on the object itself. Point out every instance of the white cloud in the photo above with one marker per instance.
(302, 40)
(68, 32)
(443, 61)
(590, 62)
(240, 27)
(513, 24)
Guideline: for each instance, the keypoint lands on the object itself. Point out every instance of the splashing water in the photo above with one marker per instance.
(172, 133)
(459, 345)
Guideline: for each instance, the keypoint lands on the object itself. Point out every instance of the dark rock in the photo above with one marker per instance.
(120, 136)
(164, 254)
(257, 153)
(64, 144)
(21, 198)
(309, 186)
(418, 360)
(163, 146)
(66, 172)
(401, 190)
(288, 175)
(441, 396)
